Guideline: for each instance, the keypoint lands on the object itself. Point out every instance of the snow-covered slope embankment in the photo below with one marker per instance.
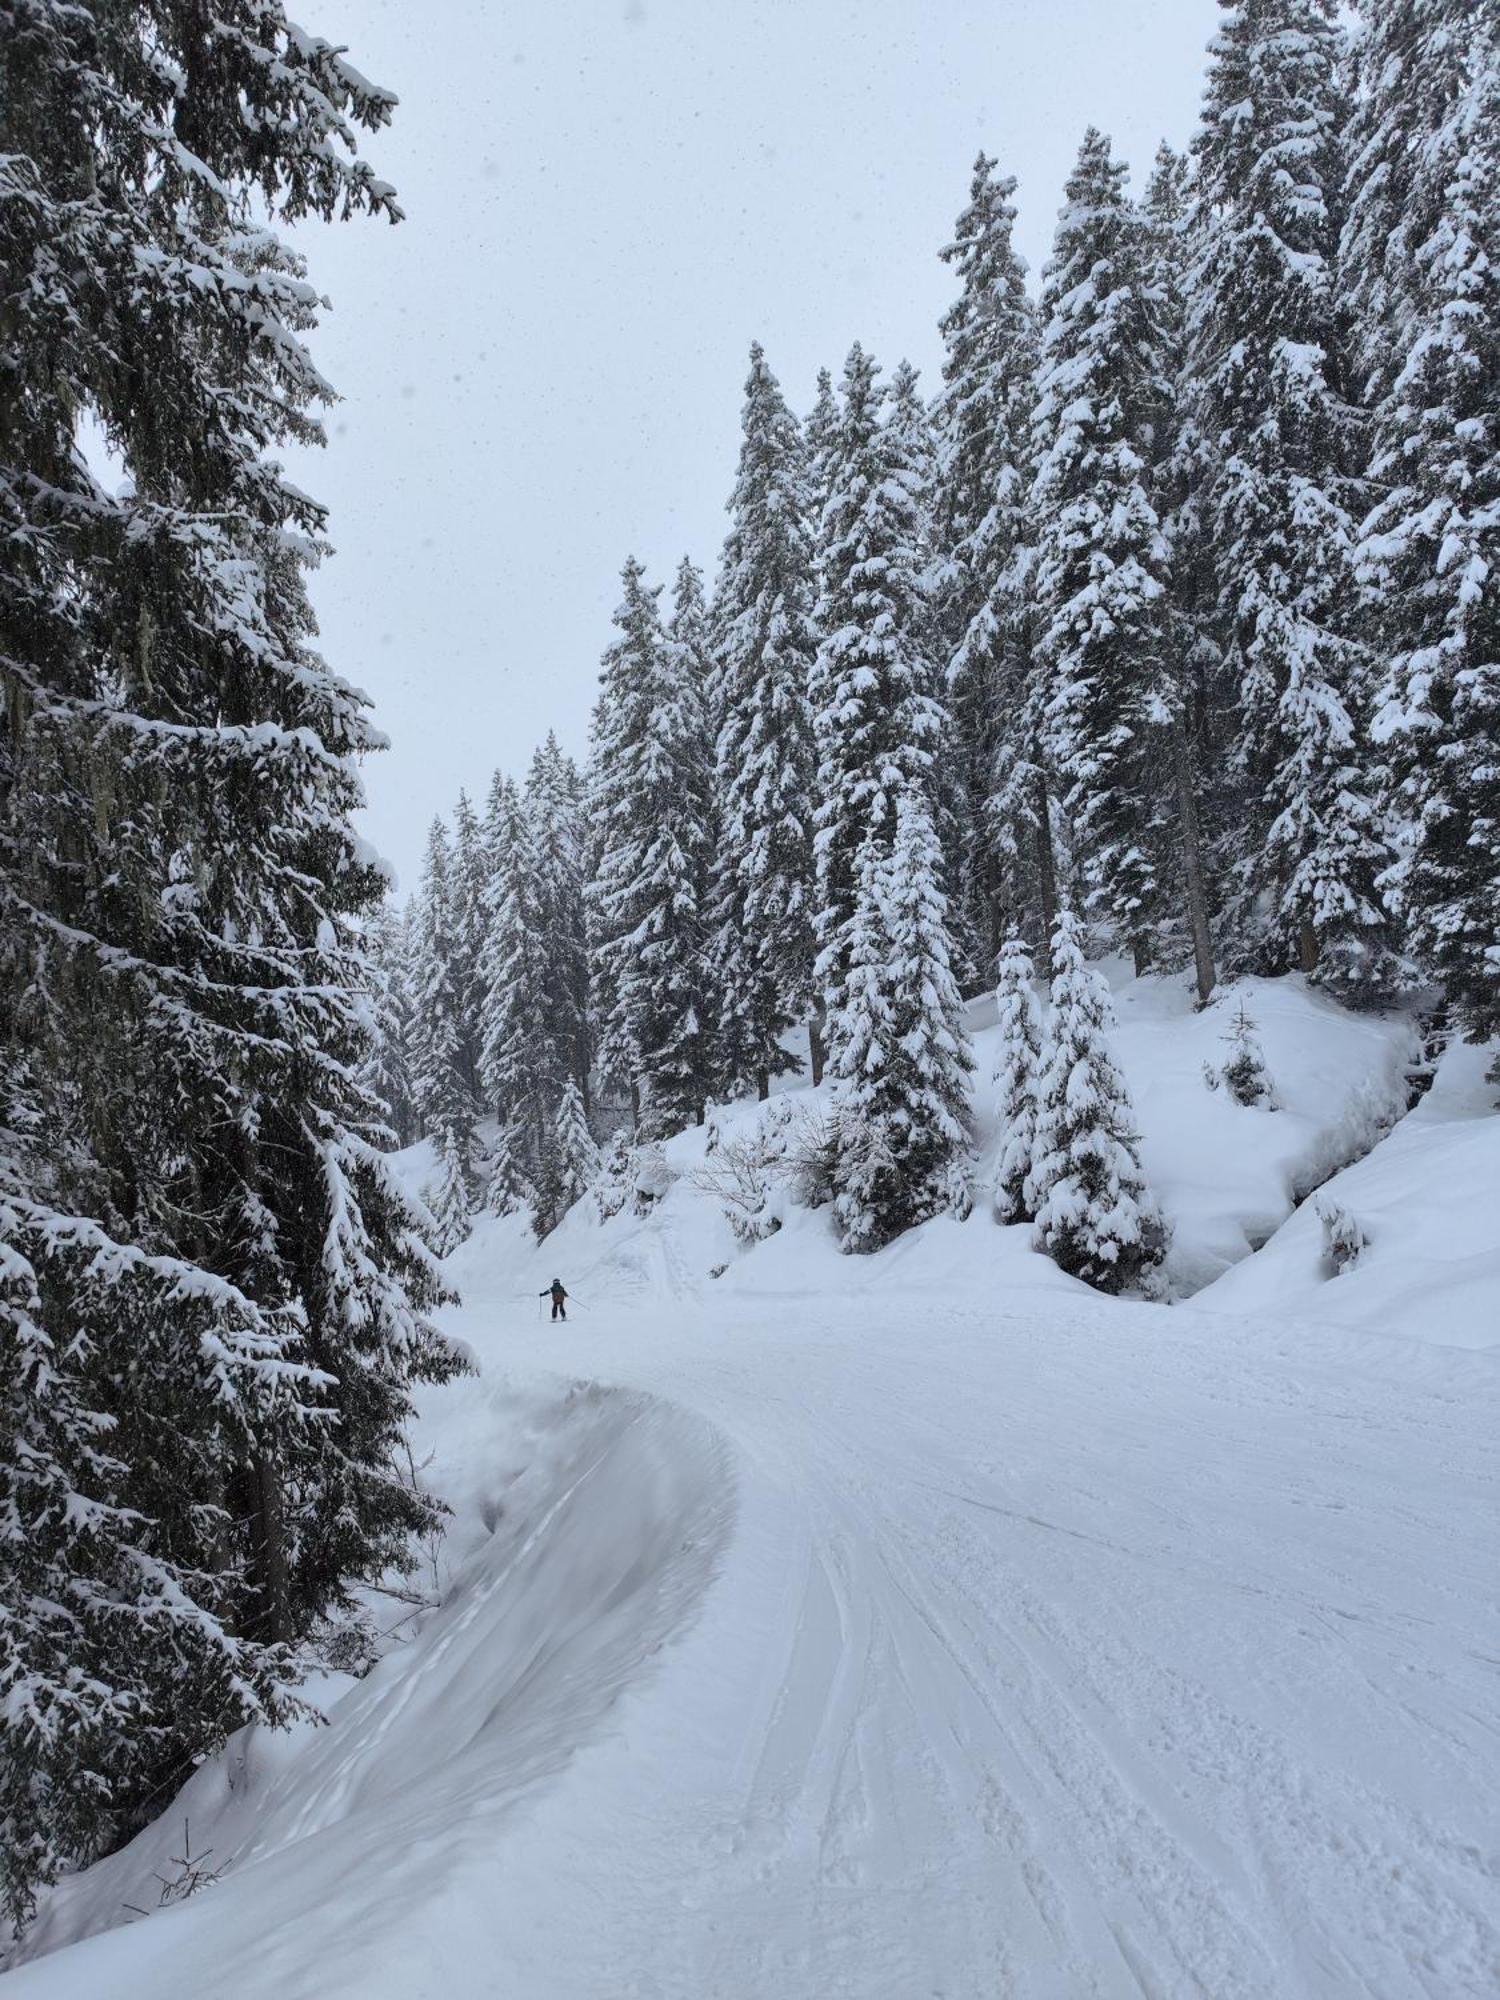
(588, 1523)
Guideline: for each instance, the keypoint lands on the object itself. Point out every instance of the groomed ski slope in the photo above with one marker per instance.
(913, 1626)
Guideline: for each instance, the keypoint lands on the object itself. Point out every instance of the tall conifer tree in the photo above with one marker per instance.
(646, 805)
(387, 1071)
(1179, 472)
(445, 1096)
(983, 532)
(1101, 572)
(1305, 837)
(876, 723)
(900, 1055)
(1422, 256)
(211, 1292)
(555, 808)
(765, 760)
(519, 1061)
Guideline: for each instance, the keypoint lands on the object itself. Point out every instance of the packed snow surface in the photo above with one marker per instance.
(917, 1625)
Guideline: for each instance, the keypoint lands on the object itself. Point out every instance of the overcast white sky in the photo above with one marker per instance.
(607, 200)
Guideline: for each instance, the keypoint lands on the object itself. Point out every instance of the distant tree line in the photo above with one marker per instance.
(1175, 609)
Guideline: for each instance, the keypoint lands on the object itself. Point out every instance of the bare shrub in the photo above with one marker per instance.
(741, 1174)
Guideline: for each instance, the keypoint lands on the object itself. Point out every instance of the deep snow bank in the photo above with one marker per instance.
(1426, 1201)
(585, 1530)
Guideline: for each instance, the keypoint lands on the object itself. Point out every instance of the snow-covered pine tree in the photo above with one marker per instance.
(1179, 474)
(645, 920)
(1101, 570)
(697, 695)
(913, 431)
(450, 1199)
(820, 441)
(1243, 1072)
(387, 1073)
(1018, 1065)
(470, 906)
(569, 1162)
(519, 1063)
(765, 761)
(898, 1049)
(203, 1387)
(1305, 843)
(982, 531)
(912, 421)
(510, 1183)
(876, 724)
(445, 1097)
(1095, 1215)
(1422, 253)
(555, 809)
(694, 627)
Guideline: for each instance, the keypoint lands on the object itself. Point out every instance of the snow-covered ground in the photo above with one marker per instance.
(921, 1625)
(1426, 1202)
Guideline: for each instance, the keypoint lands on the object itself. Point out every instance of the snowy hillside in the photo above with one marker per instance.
(1424, 1204)
(864, 1627)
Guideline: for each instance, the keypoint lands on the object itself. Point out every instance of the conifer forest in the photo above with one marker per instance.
(1024, 925)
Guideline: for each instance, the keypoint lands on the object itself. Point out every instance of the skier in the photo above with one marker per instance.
(558, 1296)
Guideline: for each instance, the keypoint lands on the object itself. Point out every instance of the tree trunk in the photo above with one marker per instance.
(1307, 940)
(1192, 862)
(815, 1050)
(763, 1084)
(268, 1551)
(635, 1109)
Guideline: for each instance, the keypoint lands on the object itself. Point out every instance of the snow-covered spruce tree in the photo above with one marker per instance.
(693, 627)
(1095, 1215)
(1243, 1072)
(387, 1072)
(570, 1161)
(645, 920)
(981, 526)
(1018, 1064)
(876, 724)
(450, 1199)
(1304, 846)
(470, 908)
(1179, 473)
(915, 435)
(820, 441)
(908, 415)
(446, 1099)
(519, 1062)
(212, 1294)
(765, 761)
(555, 810)
(508, 1176)
(696, 685)
(1422, 253)
(898, 1049)
(1101, 571)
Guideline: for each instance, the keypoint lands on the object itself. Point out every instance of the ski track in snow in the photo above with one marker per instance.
(896, 1645)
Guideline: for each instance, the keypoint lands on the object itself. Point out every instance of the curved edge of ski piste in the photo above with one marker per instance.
(589, 1523)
